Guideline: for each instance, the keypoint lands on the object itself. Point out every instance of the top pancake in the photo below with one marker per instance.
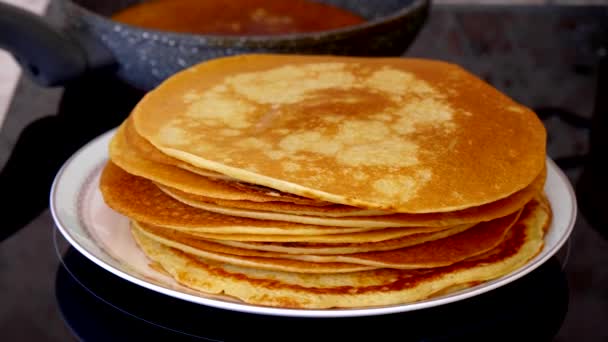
(382, 133)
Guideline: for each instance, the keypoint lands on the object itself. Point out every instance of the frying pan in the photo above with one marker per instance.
(143, 58)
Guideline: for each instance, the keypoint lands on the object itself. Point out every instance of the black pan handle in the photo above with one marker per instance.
(48, 56)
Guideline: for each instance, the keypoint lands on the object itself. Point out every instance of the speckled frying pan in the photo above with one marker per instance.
(144, 57)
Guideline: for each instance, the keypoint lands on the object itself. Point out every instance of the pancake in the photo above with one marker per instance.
(354, 289)
(332, 210)
(167, 172)
(141, 200)
(322, 248)
(132, 162)
(303, 247)
(437, 253)
(376, 235)
(486, 212)
(376, 133)
(265, 263)
(145, 150)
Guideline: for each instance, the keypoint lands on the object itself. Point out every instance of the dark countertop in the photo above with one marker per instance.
(545, 57)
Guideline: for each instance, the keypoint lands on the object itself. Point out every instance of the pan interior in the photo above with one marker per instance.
(369, 10)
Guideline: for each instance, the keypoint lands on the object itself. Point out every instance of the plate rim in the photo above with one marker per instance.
(485, 287)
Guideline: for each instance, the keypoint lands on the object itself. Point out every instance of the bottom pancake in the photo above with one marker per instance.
(355, 289)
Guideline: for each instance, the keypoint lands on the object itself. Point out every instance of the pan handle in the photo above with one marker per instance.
(49, 57)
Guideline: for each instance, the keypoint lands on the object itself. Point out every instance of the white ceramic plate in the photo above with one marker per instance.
(103, 236)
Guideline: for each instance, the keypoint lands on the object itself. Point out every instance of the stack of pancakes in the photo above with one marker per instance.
(324, 182)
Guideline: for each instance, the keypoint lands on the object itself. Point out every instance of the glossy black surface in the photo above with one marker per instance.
(113, 101)
(99, 306)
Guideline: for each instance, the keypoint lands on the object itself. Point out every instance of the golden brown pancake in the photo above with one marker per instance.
(323, 248)
(485, 212)
(141, 200)
(354, 289)
(308, 248)
(437, 253)
(331, 210)
(145, 150)
(147, 163)
(375, 235)
(398, 134)
(264, 263)
(127, 159)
